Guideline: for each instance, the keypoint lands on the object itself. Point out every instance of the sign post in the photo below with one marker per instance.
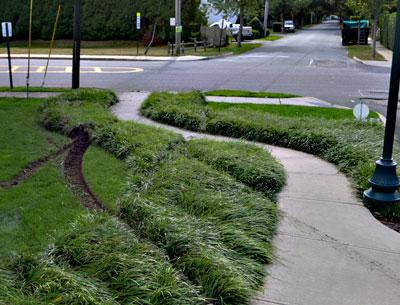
(76, 60)
(178, 27)
(7, 33)
(138, 31)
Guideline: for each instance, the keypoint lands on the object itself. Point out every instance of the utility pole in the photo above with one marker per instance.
(7, 26)
(384, 181)
(178, 27)
(266, 17)
(77, 44)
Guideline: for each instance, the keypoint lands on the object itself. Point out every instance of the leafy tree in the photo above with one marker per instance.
(234, 7)
(375, 7)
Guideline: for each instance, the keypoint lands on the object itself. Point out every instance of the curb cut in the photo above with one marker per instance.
(358, 60)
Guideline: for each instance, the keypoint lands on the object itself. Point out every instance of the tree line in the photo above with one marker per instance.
(103, 19)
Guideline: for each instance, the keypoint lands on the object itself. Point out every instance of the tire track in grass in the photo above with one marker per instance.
(73, 170)
(33, 167)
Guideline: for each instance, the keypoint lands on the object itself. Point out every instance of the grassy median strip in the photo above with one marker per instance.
(246, 93)
(352, 145)
(270, 38)
(363, 52)
(34, 89)
(122, 48)
(294, 111)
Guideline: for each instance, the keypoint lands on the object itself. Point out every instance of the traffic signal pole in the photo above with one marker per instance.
(77, 44)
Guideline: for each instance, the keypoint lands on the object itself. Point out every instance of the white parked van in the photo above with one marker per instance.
(233, 28)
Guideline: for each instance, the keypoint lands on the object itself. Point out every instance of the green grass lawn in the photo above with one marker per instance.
(35, 212)
(293, 111)
(33, 89)
(351, 145)
(22, 139)
(198, 218)
(307, 26)
(246, 93)
(116, 48)
(106, 175)
(270, 38)
(363, 52)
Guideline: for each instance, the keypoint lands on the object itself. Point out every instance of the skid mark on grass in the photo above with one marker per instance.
(73, 169)
(33, 167)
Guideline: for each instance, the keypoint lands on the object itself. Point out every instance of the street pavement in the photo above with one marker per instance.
(330, 250)
(310, 62)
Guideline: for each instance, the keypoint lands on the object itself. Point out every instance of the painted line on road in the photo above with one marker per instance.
(40, 69)
(68, 69)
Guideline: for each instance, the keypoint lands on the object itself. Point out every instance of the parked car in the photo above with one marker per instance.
(288, 26)
(233, 29)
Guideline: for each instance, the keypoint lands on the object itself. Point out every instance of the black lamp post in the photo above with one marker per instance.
(77, 44)
(384, 182)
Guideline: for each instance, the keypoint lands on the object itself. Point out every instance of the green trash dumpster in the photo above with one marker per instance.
(351, 29)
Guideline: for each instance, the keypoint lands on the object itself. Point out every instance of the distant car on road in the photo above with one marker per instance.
(288, 26)
(233, 29)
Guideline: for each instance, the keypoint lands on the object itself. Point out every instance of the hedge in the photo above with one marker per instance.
(101, 19)
(387, 26)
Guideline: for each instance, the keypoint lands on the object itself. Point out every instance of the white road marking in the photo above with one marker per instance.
(68, 69)
(40, 69)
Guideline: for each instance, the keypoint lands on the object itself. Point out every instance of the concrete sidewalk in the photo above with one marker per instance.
(329, 249)
(386, 53)
(113, 58)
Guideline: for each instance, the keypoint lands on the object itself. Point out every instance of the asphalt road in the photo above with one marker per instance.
(310, 62)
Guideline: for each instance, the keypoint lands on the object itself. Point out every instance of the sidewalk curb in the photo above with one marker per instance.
(184, 58)
(373, 63)
(358, 60)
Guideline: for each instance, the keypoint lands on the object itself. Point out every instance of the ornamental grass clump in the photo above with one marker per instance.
(213, 228)
(251, 165)
(135, 272)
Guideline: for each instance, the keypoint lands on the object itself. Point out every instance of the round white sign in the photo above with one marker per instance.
(361, 111)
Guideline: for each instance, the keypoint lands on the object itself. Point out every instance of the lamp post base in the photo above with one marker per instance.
(384, 184)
